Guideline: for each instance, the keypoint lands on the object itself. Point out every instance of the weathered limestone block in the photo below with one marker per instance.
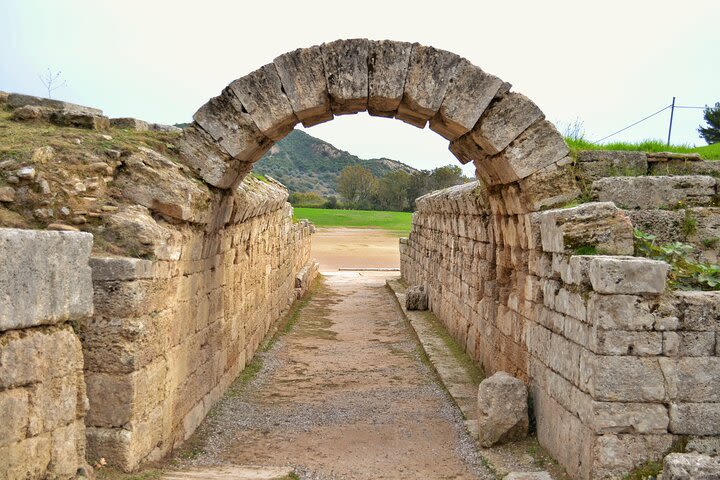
(536, 148)
(655, 192)
(614, 455)
(690, 466)
(502, 409)
(628, 275)
(119, 268)
(416, 298)
(624, 312)
(504, 121)
(550, 187)
(130, 123)
(210, 161)
(427, 81)
(79, 120)
(688, 344)
(466, 150)
(599, 225)
(699, 311)
(595, 164)
(680, 166)
(261, 94)
(387, 68)
(622, 378)
(226, 120)
(466, 98)
(156, 182)
(42, 400)
(44, 277)
(16, 100)
(695, 418)
(303, 78)
(621, 417)
(692, 379)
(143, 235)
(346, 72)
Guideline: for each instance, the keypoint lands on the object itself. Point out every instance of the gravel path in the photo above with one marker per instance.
(344, 395)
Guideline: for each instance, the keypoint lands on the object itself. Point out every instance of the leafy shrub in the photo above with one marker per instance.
(685, 273)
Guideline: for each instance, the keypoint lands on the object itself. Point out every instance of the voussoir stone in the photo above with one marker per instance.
(261, 94)
(504, 121)
(536, 148)
(303, 78)
(212, 163)
(627, 275)
(467, 97)
(387, 68)
(226, 120)
(502, 409)
(429, 74)
(346, 72)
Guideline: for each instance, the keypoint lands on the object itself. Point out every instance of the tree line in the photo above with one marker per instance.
(359, 189)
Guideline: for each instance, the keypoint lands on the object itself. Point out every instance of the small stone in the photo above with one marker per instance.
(12, 179)
(7, 194)
(76, 141)
(109, 208)
(416, 298)
(502, 410)
(106, 137)
(80, 187)
(79, 220)
(26, 173)
(62, 227)
(44, 186)
(42, 213)
(113, 153)
(64, 211)
(43, 154)
(98, 167)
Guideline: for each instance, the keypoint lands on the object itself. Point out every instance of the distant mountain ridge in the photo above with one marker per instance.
(304, 163)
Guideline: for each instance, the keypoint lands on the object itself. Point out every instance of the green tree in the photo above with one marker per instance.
(356, 184)
(711, 133)
(444, 177)
(391, 191)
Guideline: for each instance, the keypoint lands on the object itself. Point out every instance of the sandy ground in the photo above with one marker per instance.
(343, 395)
(355, 247)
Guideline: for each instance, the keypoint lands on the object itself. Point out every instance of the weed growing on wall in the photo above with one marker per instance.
(685, 273)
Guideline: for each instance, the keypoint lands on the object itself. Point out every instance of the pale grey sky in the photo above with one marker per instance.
(607, 63)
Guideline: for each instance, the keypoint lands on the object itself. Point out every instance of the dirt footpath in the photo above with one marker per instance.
(355, 247)
(344, 395)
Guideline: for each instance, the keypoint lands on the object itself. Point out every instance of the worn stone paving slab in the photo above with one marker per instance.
(343, 394)
(231, 473)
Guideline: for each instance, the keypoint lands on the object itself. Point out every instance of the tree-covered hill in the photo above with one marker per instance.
(304, 163)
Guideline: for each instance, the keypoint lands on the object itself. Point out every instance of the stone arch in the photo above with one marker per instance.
(517, 153)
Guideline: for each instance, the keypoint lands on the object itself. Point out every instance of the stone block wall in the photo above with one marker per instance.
(620, 369)
(45, 285)
(170, 335)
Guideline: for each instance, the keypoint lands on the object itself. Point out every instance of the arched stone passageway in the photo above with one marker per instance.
(504, 133)
(500, 265)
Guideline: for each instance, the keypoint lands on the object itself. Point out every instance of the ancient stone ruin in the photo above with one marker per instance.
(621, 370)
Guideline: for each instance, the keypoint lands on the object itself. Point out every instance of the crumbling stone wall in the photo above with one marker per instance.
(170, 335)
(44, 287)
(620, 369)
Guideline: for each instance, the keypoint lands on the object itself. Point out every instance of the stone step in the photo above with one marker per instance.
(231, 472)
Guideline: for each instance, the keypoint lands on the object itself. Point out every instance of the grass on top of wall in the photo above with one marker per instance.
(324, 217)
(708, 152)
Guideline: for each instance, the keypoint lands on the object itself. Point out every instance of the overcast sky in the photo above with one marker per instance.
(606, 63)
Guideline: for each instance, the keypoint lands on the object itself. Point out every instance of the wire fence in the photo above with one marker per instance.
(671, 107)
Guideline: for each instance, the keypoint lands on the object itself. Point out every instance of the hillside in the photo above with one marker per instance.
(304, 163)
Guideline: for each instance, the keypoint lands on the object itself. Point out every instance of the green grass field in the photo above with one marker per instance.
(708, 152)
(323, 217)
